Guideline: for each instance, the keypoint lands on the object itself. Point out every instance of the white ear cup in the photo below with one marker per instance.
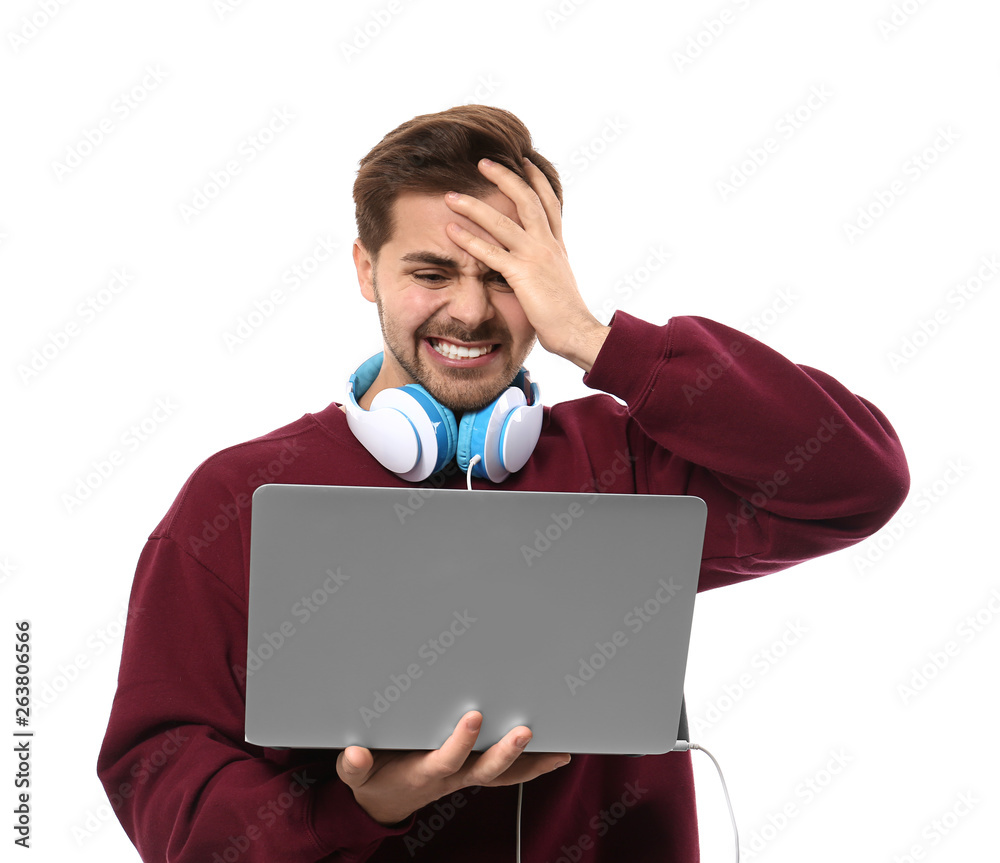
(521, 432)
(423, 429)
(388, 435)
(494, 464)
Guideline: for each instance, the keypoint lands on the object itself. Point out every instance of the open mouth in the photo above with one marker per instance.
(451, 351)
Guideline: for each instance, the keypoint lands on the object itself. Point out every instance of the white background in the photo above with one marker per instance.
(642, 134)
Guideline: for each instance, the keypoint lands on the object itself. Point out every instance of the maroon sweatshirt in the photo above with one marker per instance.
(790, 463)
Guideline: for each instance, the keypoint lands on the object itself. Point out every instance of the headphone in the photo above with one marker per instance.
(411, 434)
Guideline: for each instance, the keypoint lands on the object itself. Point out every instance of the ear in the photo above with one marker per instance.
(363, 264)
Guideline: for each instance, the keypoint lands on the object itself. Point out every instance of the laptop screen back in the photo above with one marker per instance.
(379, 616)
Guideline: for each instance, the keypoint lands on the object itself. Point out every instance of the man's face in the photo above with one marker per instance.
(454, 297)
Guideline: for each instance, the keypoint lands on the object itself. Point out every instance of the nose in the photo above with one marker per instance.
(469, 301)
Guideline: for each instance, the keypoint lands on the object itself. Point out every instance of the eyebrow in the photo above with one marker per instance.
(431, 259)
(434, 260)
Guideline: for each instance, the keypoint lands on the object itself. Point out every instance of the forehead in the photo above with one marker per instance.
(420, 219)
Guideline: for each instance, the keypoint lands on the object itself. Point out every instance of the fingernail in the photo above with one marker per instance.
(473, 723)
(563, 763)
(521, 742)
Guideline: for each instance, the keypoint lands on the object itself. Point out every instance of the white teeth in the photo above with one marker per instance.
(455, 353)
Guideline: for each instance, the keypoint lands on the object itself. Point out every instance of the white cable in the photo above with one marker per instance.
(722, 779)
(679, 747)
(468, 476)
(517, 839)
(682, 746)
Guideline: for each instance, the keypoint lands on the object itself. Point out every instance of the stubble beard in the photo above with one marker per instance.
(459, 390)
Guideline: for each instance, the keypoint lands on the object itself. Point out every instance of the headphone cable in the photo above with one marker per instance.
(468, 473)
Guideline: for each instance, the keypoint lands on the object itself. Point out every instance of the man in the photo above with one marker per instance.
(790, 463)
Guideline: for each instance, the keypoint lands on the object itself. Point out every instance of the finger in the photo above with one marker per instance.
(354, 765)
(530, 210)
(501, 228)
(449, 759)
(493, 256)
(529, 766)
(499, 757)
(543, 188)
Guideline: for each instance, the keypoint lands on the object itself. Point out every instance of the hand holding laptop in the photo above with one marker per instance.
(390, 784)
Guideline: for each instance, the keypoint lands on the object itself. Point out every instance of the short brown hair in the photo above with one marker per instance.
(437, 153)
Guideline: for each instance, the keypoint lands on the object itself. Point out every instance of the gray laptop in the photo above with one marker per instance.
(379, 616)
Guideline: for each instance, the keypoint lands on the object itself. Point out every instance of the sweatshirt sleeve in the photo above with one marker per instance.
(183, 782)
(790, 463)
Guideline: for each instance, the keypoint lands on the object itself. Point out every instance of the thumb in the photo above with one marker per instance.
(354, 765)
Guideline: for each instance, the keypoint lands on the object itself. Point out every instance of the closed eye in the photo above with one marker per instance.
(437, 278)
